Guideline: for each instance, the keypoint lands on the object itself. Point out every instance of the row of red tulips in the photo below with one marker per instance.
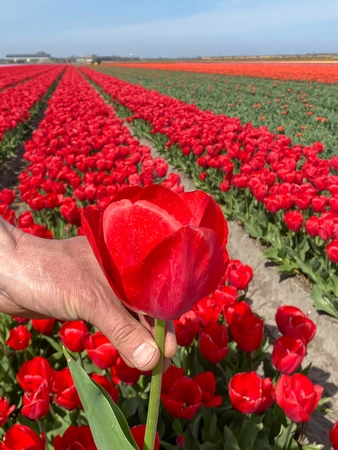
(13, 75)
(16, 102)
(81, 154)
(21, 107)
(324, 73)
(285, 194)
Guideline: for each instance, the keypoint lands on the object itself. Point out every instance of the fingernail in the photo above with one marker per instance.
(143, 354)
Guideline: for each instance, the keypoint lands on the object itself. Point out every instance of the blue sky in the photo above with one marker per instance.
(168, 28)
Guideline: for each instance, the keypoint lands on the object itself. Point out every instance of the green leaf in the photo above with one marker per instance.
(129, 406)
(230, 441)
(253, 229)
(287, 268)
(261, 445)
(313, 447)
(306, 369)
(168, 446)
(281, 440)
(53, 343)
(212, 446)
(249, 431)
(323, 303)
(272, 253)
(105, 424)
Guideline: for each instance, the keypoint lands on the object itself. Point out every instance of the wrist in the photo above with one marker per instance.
(9, 239)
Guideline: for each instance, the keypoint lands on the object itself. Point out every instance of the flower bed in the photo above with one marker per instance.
(225, 389)
(324, 73)
(283, 193)
(302, 110)
(19, 104)
(12, 75)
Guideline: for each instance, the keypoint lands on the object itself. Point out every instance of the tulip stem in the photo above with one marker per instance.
(288, 436)
(155, 389)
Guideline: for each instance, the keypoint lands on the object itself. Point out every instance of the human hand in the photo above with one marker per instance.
(62, 279)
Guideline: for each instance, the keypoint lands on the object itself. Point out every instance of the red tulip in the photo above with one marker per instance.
(138, 433)
(319, 203)
(213, 342)
(21, 437)
(207, 310)
(302, 201)
(332, 251)
(297, 396)
(64, 389)
(79, 438)
(283, 315)
(122, 372)
(33, 373)
(239, 275)
(7, 196)
(273, 203)
(19, 338)
(5, 410)
(160, 251)
(311, 226)
(293, 220)
(301, 328)
(333, 434)
(225, 296)
(36, 404)
(325, 228)
(184, 399)
(249, 393)
(20, 319)
(170, 377)
(288, 354)
(180, 441)
(207, 383)
(43, 326)
(246, 328)
(73, 335)
(107, 385)
(101, 351)
(186, 328)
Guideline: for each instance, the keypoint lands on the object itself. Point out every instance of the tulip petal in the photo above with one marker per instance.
(206, 213)
(168, 201)
(92, 227)
(116, 225)
(131, 193)
(149, 226)
(178, 272)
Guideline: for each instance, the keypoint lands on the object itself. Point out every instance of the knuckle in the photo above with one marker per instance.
(124, 333)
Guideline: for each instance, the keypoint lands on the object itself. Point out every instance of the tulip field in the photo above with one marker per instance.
(230, 385)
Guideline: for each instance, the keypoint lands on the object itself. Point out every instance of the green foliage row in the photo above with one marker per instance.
(240, 96)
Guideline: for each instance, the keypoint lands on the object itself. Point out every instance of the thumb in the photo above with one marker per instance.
(134, 342)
